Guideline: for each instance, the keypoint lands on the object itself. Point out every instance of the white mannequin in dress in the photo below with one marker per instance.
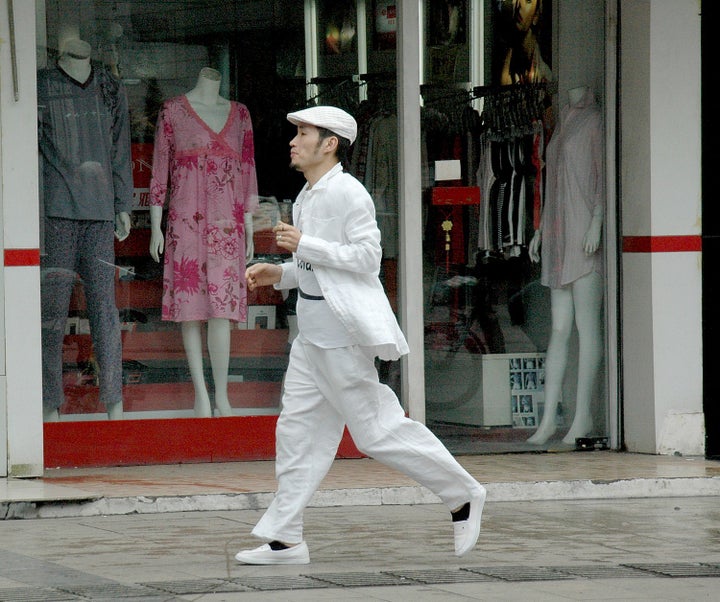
(580, 302)
(75, 61)
(214, 110)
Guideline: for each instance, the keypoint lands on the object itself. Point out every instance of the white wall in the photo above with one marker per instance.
(19, 203)
(660, 195)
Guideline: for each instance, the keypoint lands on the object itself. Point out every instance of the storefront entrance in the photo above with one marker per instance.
(491, 383)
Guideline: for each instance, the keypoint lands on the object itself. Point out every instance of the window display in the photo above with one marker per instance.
(120, 337)
(164, 140)
(490, 300)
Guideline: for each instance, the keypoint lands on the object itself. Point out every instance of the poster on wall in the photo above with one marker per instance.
(522, 45)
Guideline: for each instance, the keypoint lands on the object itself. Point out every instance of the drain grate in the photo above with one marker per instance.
(591, 571)
(109, 590)
(282, 583)
(520, 573)
(362, 579)
(198, 586)
(34, 594)
(432, 576)
(679, 569)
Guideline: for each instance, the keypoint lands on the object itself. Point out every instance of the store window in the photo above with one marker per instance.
(513, 210)
(154, 195)
(495, 78)
(132, 142)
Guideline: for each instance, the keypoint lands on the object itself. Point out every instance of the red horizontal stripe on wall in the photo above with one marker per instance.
(662, 244)
(22, 257)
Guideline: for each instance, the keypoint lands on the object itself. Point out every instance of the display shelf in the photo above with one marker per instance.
(156, 381)
(159, 397)
(168, 345)
(266, 244)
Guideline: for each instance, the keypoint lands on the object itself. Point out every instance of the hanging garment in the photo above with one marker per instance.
(575, 187)
(381, 179)
(84, 139)
(211, 183)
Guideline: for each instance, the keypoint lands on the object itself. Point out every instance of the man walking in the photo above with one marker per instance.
(345, 321)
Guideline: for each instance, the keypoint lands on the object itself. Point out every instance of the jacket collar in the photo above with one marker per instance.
(331, 173)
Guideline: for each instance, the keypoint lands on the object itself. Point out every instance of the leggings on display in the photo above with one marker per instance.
(85, 249)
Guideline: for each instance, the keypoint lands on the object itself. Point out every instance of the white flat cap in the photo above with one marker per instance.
(331, 118)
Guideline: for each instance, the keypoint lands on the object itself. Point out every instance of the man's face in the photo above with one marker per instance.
(305, 148)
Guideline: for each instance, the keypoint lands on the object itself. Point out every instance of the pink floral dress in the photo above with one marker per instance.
(209, 182)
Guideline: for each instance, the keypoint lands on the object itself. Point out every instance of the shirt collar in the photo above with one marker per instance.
(331, 173)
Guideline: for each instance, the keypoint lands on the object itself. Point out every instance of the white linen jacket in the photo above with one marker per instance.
(341, 239)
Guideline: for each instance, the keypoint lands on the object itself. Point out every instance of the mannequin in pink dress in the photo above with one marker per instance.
(204, 142)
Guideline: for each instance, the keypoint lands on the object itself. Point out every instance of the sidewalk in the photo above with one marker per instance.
(557, 526)
(250, 485)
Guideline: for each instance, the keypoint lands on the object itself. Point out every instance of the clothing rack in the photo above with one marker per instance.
(341, 89)
(516, 110)
(550, 87)
(338, 90)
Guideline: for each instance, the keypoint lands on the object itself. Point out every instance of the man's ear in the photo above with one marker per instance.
(331, 143)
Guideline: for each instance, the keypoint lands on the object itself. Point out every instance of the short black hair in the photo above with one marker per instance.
(343, 147)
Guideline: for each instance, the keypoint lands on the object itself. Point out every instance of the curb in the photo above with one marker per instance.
(372, 496)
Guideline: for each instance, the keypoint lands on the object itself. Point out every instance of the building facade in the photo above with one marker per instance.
(461, 142)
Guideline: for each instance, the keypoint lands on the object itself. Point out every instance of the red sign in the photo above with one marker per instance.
(456, 195)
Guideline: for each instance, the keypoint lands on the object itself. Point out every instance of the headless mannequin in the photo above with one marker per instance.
(214, 110)
(579, 302)
(75, 62)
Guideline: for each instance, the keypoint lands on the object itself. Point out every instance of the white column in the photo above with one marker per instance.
(661, 205)
(21, 370)
(410, 296)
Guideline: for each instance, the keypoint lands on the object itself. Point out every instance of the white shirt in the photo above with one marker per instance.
(341, 240)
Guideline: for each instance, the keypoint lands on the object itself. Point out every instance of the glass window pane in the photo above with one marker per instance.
(514, 355)
(116, 324)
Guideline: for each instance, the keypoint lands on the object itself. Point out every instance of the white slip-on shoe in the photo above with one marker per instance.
(468, 531)
(264, 554)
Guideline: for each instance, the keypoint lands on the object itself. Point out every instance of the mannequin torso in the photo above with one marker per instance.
(206, 101)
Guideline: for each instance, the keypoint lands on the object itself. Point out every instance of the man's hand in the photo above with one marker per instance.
(287, 236)
(262, 274)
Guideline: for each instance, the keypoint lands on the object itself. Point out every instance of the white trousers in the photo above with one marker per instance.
(326, 389)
